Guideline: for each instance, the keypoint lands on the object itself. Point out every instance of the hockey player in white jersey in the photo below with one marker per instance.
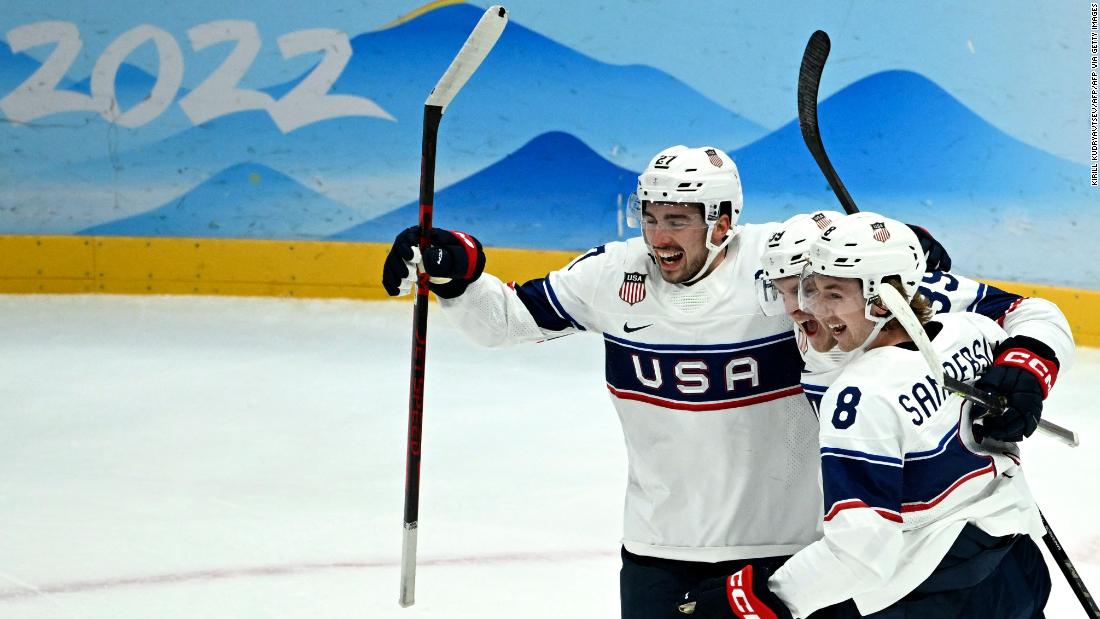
(921, 519)
(722, 446)
(1035, 324)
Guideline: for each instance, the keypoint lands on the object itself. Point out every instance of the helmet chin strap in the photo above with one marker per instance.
(880, 323)
(713, 252)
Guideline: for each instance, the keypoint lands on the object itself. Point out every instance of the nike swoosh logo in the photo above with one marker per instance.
(630, 329)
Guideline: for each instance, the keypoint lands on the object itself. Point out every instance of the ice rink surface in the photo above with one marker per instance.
(244, 458)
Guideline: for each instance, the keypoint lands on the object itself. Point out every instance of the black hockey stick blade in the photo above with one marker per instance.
(809, 82)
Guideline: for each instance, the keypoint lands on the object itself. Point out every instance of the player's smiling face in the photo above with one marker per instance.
(677, 235)
(820, 338)
(841, 310)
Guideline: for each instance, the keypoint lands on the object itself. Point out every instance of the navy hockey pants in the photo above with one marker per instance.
(981, 576)
(652, 588)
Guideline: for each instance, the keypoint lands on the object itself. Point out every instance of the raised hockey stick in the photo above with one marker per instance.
(809, 81)
(473, 52)
(899, 307)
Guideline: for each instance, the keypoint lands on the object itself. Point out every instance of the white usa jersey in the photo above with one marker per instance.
(722, 445)
(949, 292)
(902, 474)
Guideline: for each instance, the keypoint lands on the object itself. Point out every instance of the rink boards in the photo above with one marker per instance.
(306, 269)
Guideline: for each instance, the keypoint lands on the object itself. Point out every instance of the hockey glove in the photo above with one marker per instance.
(935, 255)
(743, 595)
(1023, 371)
(452, 261)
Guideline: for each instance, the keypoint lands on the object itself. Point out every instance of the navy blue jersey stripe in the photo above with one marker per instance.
(732, 347)
(534, 298)
(557, 304)
(916, 506)
(847, 480)
(977, 297)
(929, 476)
(703, 375)
(814, 393)
(994, 303)
(920, 455)
(859, 455)
(595, 251)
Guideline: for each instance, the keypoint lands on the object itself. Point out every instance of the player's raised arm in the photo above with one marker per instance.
(489, 311)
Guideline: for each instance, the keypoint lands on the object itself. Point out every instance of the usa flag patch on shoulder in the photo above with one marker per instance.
(633, 289)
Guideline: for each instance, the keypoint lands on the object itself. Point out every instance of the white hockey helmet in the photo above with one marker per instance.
(869, 247)
(705, 175)
(789, 248)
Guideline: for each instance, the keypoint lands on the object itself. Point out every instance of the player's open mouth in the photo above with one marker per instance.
(837, 329)
(810, 327)
(669, 259)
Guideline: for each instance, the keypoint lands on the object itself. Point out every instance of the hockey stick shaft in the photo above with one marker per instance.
(1058, 553)
(473, 52)
(432, 116)
(809, 82)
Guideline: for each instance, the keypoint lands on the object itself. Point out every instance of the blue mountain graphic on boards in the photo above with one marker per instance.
(553, 193)
(907, 149)
(901, 143)
(244, 201)
(529, 85)
(897, 135)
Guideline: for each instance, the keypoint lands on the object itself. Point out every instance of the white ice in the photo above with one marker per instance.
(179, 457)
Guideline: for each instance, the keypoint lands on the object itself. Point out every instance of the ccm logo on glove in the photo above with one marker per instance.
(744, 604)
(1044, 370)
